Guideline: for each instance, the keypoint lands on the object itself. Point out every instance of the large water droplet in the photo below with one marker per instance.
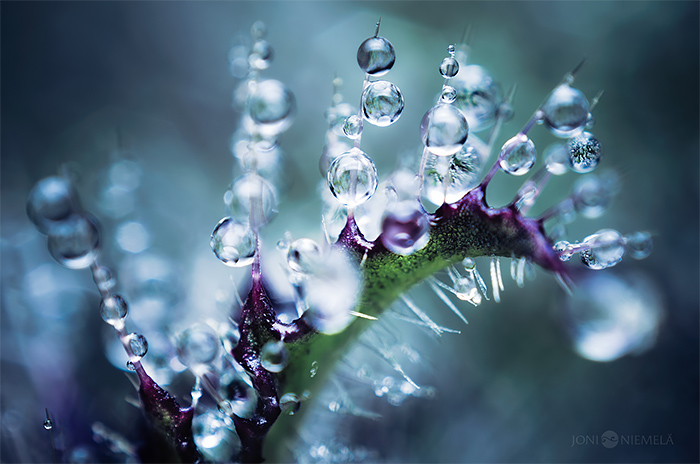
(253, 200)
(113, 309)
(565, 111)
(405, 228)
(75, 241)
(584, 152)
(233, 243)
(444, 130)
(518, 155)
(607, 249)
(304, 256)
(382, 103)
(51, 201)
(352, 177)
(478, 96)
(376, 56)
(271, 107)
(197, 346)
(274, 356)
(138, 344)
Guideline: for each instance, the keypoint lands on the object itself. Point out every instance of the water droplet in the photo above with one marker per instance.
(353, 127)
(447, 179)
(253, 200)
(74, 242)
(448, 94)
(214, 438)
(518, 155)
(468, 264)
(451, 49)
(590, 196)
(271, 107)
(131, 366)
(382, 103)
(376, 56)
(449, 67)
(590, 121)
(466, 290)
(564, 250)
(352, 177)
(405, 228)
(225, 407)
(336, 116)
(639, 245)
(113, 309)
(51, 201)
(584, 152)
(230, 336)
(556, 159)
(444, 130)
(48, 424)
(290, 403)
(274, 356)
(132, 237)
(260, 55)
(138, 344)
(607, 249)
(314, 369)
(565, 111)
(103, 278)
(197, 346)
(233, 243)
(304, 256)
(478, 96)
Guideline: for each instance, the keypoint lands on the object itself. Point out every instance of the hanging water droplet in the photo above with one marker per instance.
(352, 177)
(197, 346)
(556, 159)
(304, 256)
(253, 200)
(405, 228)
(103, 278)
(607, 247)
(131, 366)
(75, 241)
(449, 67)
(448, 94)
(591, 197)
(260, 55)
(478, 96)
(466, 290)
(518, 155)
(444, 130)
(376, 56)
(51, 201)
(214, 438)
(274, 356)
(290, 403)
(639, 245)
(233, 243)
(353, 127)
(113, 310)
(565, 111)
(48, 424)
(271, 107)
(382, 103)
(138, 344)
(584, 152)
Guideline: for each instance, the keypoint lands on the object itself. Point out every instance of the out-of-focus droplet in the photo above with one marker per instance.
(51, 201)
(197, 346)
(260, 55)
(271, 107)
(591, 197)
(48, 424)
(304, 256)
(274, 356)
(253, 200)
(478, 96)
(639, 244)
(214, 438)
(75, 241)
(556, 159)
(405, 228)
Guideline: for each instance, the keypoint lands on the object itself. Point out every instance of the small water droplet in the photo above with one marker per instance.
(451, 49)
(556, 159)
(352, 177)
(382, 103)
(131, 366)
(591, 197)
(607, 247)
(353, 127)
(469, 264)
(376, 56)
(274, 356)
(138, 344)
(314, 368)
(113, 309)
(260, 55)
(197, 346)
(449, 67)
(584, 152)
(104, 279)
(290, 403)
(479, 97)
(233, 243)
(564, 250)
(253, 200)
(448, 94)
(51, 201)
(48, 424)
(518, 155)
(271, 107)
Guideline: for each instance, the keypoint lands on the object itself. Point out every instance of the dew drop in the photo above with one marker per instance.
(405, 228)
(253, 200)
(376, 56)
(449, 67)
(48, 424)
(51, 201)
(274, 356)
(304, 256)
(74, 242)
(353, 127)
(271, 107)
(197, 346)
(352, 177)
(451, 49)
(314, 369)
(233, 243)
(336, 116)
(138, 344)
(131, 366)
(566, 111)
(468, 264)
(448, 94)
(290, 403)
(382, 103)
(518, 155)
(639, 245)
(103, 278)
(607, 249)
(564, 250)
(242, 397)
(113, 309)
(584, 152)
(478, 96)
(444, 130)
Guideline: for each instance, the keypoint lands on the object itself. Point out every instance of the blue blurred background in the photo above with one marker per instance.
(81, 79)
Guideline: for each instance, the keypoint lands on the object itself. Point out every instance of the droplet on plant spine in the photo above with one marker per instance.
(518, 155)
(376, 56)
(274, 356)
(382, 103)
(352, 177)
(75, 241)
(233, 243)
(444, 130)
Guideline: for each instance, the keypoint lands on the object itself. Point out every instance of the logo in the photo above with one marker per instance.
(609, 439)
